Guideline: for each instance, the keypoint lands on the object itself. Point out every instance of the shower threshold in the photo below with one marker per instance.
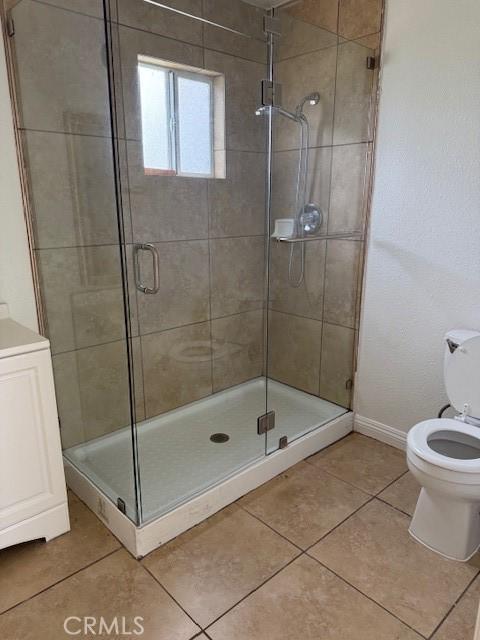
(186, 475)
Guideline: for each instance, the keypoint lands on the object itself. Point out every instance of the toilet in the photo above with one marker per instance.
(444, 456)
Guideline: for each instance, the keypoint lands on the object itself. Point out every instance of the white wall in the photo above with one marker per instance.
(16, 287)
(423, 265)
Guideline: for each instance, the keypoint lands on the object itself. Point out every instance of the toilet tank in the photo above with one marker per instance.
(453, 339)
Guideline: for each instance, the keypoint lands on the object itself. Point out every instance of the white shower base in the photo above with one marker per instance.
(180, 466)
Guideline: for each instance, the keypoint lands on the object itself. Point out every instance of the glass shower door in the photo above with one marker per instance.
(320, 159)
(63, 120)
(193, 175)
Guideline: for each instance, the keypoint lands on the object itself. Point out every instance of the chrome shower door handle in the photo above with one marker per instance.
(156, 268)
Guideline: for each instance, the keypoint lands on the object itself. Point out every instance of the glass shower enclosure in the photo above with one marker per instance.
(196, 178)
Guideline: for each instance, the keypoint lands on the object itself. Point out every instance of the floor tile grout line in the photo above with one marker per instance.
(392, 506)
(371, 499)
(390, 483)
(244, 597)
(455, 604)
(303, 552)
(332, 475)
(271, 528)
(374, 495)
(210, 624)
(405, 624)
(172, 597)
(70, 575)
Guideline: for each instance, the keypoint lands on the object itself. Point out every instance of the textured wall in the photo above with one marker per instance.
(423, 267)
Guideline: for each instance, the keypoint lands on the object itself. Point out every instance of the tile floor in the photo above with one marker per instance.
(321, 552)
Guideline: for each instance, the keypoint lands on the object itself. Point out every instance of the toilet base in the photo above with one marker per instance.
(446, 525)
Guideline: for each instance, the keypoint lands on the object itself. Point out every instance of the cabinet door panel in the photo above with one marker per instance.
(31, 469)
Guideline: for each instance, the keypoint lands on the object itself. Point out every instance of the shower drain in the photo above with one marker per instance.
(219, 437)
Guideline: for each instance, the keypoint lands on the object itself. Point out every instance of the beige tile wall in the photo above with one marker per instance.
(323, 48)
(203, 331)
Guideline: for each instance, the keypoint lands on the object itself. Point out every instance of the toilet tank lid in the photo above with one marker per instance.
(458, 336)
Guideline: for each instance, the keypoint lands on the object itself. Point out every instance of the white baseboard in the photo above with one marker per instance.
(379, 431)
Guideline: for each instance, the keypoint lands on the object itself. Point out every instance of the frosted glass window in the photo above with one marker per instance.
(177, 111)
(155, 109)
(194, 100)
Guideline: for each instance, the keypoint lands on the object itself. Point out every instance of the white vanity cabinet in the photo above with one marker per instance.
(33, 497)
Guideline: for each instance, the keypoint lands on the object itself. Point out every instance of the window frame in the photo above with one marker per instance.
(174, 72)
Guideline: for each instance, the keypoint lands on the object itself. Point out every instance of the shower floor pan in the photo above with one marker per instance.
(185, 476)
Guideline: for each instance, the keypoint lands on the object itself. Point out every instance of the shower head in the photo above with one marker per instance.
(312, 99)
(261, 111)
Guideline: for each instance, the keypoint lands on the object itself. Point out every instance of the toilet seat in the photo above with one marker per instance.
(418, 443)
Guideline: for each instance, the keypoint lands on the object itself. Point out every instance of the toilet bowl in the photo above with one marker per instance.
(444, 456)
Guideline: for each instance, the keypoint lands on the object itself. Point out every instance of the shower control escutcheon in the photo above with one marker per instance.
(310, 220)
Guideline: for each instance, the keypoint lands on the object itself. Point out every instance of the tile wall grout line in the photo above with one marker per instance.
(54, 5)
(308, 53)
(125, 167)
(121, 339)
(297, 315)
(325, 258)
(355, 143)
(128, 139)
(192, 45)
(160, 242)
(210, 276)
(256, 39)
(119, 24)
(70, 575)
(209, 240)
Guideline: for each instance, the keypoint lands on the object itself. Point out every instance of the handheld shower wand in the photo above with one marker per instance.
(312, 99)
(299, 117)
